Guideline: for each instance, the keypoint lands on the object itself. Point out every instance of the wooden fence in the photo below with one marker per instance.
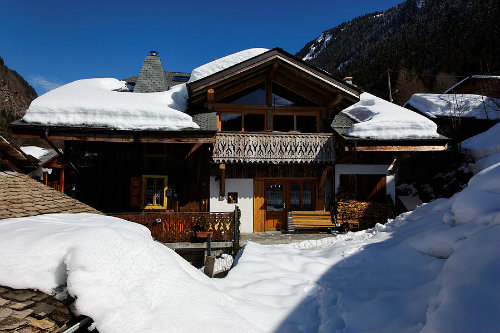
(168, 227)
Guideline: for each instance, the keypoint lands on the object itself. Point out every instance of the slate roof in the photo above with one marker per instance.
(207, 121)
(171, 78)
(21, 196)
(30, 311)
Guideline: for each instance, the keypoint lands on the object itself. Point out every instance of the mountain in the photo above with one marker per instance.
(15, 97)
(426, 44)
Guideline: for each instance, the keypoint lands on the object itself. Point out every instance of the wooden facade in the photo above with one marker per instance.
(112, 176)
(273, 115)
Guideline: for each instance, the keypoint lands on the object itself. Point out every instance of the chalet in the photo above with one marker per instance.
(253, 130)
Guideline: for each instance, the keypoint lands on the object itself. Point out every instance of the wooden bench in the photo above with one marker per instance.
(317, 219)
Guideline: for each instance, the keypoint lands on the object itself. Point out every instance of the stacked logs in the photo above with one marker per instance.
(359, 215)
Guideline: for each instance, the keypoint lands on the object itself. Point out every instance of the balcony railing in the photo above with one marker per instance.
(274, 148)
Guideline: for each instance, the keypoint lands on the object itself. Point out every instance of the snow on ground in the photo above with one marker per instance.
(106, 102)
(123, 280)
(35, 151)
(224, 62)
(456, 105)
(382, 120)
(436, 269)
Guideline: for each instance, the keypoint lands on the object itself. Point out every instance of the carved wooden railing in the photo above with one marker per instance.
(273, 148)
(169, 227)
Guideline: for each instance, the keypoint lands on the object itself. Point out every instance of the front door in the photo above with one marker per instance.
(283, 196)
(275, 206)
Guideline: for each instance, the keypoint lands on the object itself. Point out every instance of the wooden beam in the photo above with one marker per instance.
(277, 108)
(228, 90)
(269, 91)
(195, 147)
(210, 99)
(339, 98)
(11, 165)
(222, 189)
(98, 138)
(323, 178)
(402, 148)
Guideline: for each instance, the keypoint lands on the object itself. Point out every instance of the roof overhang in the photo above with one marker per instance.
(394, 145)
(22, 129)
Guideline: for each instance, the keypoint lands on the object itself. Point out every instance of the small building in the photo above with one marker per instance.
(468, 108)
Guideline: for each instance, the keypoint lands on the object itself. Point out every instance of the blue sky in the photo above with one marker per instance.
(53, 42)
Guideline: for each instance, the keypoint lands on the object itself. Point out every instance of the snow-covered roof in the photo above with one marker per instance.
(456, 105)
(107, 102)
(378, 119)
(487, 77)
(224, 62)
(35, 151)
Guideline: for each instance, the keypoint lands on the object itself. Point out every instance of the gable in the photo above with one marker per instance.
(278, 69)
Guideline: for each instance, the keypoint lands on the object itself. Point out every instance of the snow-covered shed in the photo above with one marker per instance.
(469, 107)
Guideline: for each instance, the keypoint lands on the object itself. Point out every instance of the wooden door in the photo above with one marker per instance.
(275, 204)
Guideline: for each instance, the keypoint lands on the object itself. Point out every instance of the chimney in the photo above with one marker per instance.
(152, 77)
(348, 79)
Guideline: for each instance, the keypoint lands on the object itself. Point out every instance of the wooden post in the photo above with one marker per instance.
(210, 266)
(61, 180)
(222, 189)
(236, 221)
(210, 99)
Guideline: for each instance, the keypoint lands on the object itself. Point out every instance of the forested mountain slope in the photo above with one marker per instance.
(427, 45)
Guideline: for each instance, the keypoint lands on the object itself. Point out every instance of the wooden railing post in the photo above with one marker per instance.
(236, 223)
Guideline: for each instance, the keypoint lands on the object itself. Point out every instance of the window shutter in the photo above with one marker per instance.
(135, 191)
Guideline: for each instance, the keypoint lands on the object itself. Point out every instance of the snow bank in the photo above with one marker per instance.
(121, 278)
(35, 151)
(483, 144)
(224, 62)
(107, 102)
(382, 120)
(456, 105)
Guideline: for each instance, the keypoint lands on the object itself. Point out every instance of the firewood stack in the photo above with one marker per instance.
(359, 215)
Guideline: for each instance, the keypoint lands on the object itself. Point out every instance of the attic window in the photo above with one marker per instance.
(179, 78)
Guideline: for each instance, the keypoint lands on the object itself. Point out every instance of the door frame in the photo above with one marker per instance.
(260, 198)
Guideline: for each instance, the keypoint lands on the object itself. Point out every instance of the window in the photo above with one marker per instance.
(232, 197)
(283, 123)
(230, 122)
(179, 78)
(254, 122)
(153, 192)
(306, 124)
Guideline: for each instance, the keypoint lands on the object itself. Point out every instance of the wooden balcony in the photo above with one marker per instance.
(274, 148)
